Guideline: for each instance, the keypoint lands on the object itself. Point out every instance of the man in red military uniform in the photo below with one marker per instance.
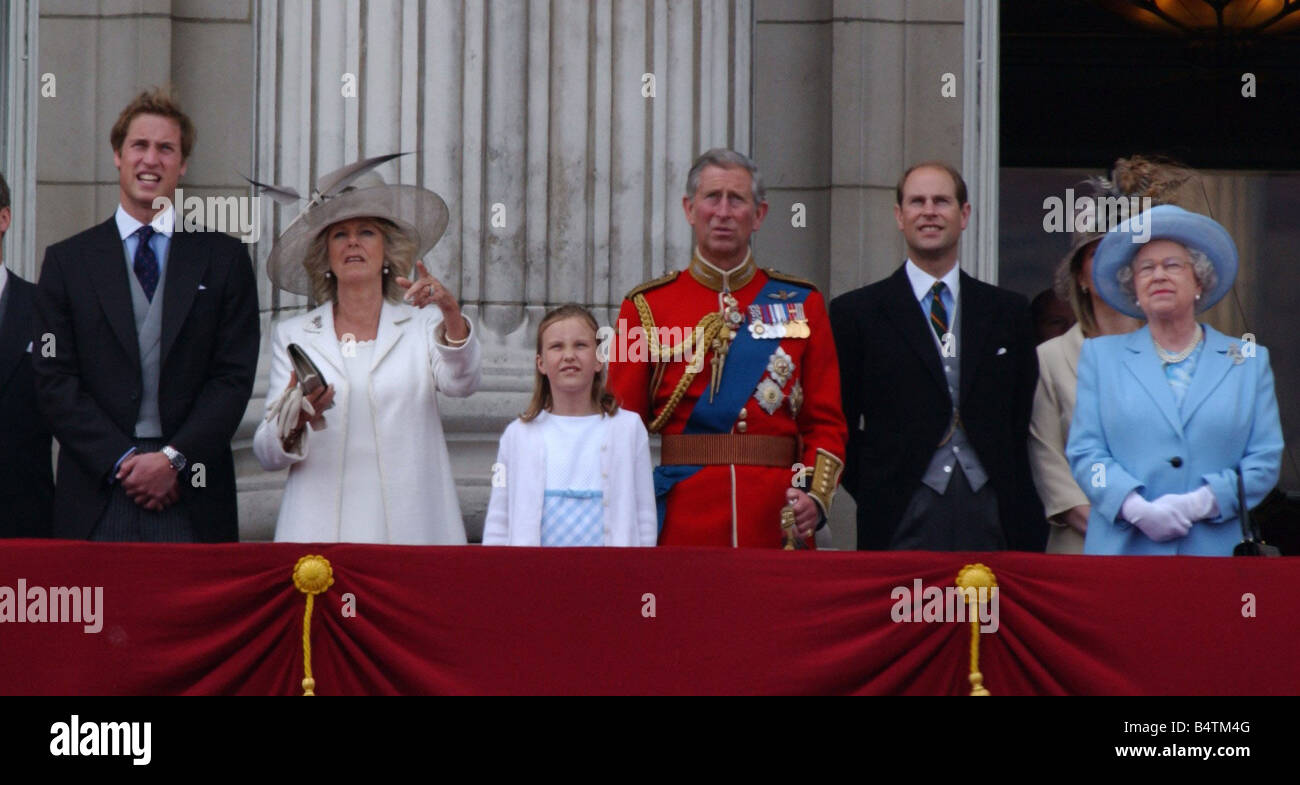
(736, 367)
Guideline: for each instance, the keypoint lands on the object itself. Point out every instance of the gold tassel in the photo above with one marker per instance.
(971, 579)
(312, 575)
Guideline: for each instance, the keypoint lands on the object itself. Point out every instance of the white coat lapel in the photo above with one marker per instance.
(1213, 364)
(391, 321)
(1143, 363)
(323, 342)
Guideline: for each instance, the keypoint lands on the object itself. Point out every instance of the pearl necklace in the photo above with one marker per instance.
(1169, 358)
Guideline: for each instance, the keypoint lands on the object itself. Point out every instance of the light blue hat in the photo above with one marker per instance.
(1165, 222)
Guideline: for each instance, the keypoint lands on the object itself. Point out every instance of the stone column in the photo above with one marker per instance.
(21, 85)
(558, 131)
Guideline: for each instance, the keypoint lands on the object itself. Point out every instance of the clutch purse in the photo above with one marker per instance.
(310, 379)
(1251, 543)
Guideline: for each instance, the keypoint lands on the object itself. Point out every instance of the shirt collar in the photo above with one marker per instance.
(163, 222)
(718, 279)
(4, 278)
(922, 281)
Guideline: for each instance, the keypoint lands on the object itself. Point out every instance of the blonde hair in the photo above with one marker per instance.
(399, 258)
(542, 401)
(1066, 285)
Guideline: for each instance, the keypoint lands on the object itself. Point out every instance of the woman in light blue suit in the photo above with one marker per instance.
(1166, 416)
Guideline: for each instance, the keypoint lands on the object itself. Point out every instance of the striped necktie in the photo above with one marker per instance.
(938, 313)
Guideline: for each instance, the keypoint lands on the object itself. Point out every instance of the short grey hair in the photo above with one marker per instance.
(1202, 268)
(727, 159)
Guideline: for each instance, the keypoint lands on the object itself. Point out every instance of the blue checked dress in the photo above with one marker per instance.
(573, 504)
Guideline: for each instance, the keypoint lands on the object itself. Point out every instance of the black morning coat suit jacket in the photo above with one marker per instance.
(91, 387)
(26, 478)
(898, 409)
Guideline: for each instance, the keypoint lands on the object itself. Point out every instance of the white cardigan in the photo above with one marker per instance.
(514, 514)
(408, 370)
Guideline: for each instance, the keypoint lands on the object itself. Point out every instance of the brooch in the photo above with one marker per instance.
(1234, 352)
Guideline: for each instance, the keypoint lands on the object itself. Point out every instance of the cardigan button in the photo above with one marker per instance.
(1175, 462)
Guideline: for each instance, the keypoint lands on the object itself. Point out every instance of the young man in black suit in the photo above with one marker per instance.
(26, 475)
(152, 335)
(937, 375)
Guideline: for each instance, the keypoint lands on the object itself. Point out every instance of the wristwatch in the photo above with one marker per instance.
(175, 457)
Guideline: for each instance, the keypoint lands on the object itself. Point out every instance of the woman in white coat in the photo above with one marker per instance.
(374, 467)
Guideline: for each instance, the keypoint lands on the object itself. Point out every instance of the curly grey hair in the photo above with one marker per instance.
(727, 159)
(1202, 268)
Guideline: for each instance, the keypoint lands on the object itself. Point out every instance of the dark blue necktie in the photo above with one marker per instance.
(146, 262)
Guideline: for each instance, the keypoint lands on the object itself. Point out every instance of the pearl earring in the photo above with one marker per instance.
(1085, 290)
(1198, 297)
(385, 269)
(329, 274)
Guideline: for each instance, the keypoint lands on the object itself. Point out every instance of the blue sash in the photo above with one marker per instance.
(746, 363)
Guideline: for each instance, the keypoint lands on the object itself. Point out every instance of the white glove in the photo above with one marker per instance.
(1196, 506)
(285, 412)
(1160, 521)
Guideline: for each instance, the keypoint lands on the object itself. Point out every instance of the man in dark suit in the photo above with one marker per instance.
(26, 477)
(152, 335)
(937, 376)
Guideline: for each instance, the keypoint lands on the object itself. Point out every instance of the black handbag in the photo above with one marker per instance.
(1251, 544)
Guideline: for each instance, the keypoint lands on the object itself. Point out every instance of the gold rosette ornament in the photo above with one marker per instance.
(312, 575)
(971, 579)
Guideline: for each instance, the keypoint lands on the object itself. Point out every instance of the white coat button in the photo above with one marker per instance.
(947, 468)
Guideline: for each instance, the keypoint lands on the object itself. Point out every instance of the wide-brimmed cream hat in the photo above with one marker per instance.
(355, 191)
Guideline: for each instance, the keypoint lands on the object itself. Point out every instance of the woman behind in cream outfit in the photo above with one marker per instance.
(1066, 505)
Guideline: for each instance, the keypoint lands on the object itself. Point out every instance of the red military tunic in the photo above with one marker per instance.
(726, 504)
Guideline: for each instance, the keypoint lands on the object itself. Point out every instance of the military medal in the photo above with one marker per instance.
(795, 399)
(781, 366)
(776, 321)
(769, 395)
(798, 327)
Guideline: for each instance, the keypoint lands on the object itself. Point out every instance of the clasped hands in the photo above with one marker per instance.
(149, 480)
(1172, 515)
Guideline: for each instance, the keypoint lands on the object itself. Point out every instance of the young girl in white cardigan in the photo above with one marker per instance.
(574, 469)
